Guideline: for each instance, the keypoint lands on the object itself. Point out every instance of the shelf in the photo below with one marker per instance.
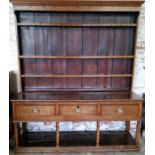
(76, 57)
(77, 138)
(75, 76)
(113, 138)
(75, 25)
(88, 138)
(38, 139)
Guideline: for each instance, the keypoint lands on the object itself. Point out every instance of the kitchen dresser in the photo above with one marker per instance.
(76, 63)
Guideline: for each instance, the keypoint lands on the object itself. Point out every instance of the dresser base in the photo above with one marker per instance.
(76, 107)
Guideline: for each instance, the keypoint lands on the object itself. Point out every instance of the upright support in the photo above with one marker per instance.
(16, 134)
(57, 134)
(137, 137)
(127, 126)
(98, 133)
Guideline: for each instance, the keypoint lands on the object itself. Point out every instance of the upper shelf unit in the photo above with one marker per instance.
(76, 50)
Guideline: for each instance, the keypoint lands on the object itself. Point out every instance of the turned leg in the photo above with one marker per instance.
(16, 134)
(137, 137)
(98, 133)
(57, 134)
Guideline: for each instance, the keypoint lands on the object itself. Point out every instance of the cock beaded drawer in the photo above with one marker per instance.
(76, 63)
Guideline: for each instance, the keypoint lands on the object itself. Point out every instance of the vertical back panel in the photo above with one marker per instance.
(59, 46)
(90, 48)
(43, 47)
(74, 48)
(76, 41)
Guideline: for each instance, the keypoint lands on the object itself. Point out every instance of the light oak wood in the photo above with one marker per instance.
(77, 110)
(97, 133)
(57, 134)
(137, 136)
(34, 111)
(114, 112)
(78, 149)
(78, 9)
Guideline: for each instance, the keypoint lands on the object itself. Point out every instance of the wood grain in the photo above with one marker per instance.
(77, 3)
(94, 50)
(70, 110)
(77, 56)
(114, 112)
(74, 48)
(59, 47)
(28, 47)
(33, 112)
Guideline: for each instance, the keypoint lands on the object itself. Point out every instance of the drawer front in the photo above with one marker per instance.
(120, 112)
(34, 112)
(68, 110)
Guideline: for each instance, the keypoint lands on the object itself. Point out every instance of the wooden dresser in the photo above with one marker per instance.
(76, 63)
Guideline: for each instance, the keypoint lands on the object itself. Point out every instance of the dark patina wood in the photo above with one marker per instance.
(57, 42)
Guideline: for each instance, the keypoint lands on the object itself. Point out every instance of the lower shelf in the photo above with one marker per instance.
(37, 139)
(76, 138)
(116, 138)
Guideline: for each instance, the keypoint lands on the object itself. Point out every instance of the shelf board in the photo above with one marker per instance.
(38, 139)
(77, 138)
(88, 138)
(76, 25)
(76, 57)
(75, 76)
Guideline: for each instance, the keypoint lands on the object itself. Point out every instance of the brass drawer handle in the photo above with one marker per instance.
(77, 110)
(35, 110)
(119, 110)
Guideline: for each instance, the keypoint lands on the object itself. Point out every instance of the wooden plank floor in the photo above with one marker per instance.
(141, 152)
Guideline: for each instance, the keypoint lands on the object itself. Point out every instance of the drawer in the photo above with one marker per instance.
(120, 112)
(24, 112)
(77, 110)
